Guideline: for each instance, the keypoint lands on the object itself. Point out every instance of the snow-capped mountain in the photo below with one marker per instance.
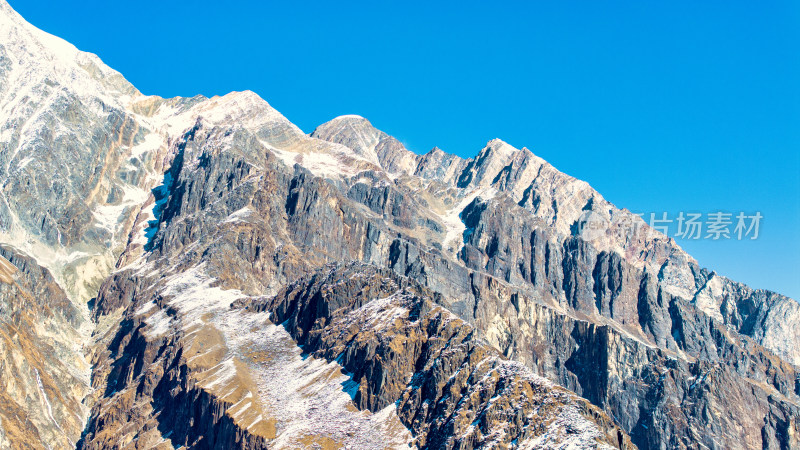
(200, 272)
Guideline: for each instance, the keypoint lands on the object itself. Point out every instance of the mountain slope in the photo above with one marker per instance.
(178, 262)
(235, 217)
(562, 203)
(403, 348)
(635, 303)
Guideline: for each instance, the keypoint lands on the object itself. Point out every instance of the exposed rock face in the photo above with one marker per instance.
(254, 232)
(474, 279)
(451, 389)
(177, 348)
(636, 304)
(41, 384)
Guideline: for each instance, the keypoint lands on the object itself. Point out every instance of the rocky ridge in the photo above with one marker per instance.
(449, 388)
(170, 210)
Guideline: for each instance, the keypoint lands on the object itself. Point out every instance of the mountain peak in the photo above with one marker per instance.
(354, 132)
(350, 118)
(35, 55)
(349, 124)
(500, 146)
(497, 142)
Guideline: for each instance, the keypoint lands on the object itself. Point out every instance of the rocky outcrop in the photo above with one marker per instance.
(451, 389)
(41, 381)
(158, 400)
(178, 354)
(600, 326)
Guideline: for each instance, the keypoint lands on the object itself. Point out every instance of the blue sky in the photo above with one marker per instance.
(661, 106)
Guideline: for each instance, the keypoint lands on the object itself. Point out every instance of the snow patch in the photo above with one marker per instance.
(239, 215)
(570, 430)
(451, 219)
(306, 396)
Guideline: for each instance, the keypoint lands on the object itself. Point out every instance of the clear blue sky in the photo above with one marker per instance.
(660, 105)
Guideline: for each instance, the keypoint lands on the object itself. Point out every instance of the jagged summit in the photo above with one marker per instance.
(562, 202)
(498, 144)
